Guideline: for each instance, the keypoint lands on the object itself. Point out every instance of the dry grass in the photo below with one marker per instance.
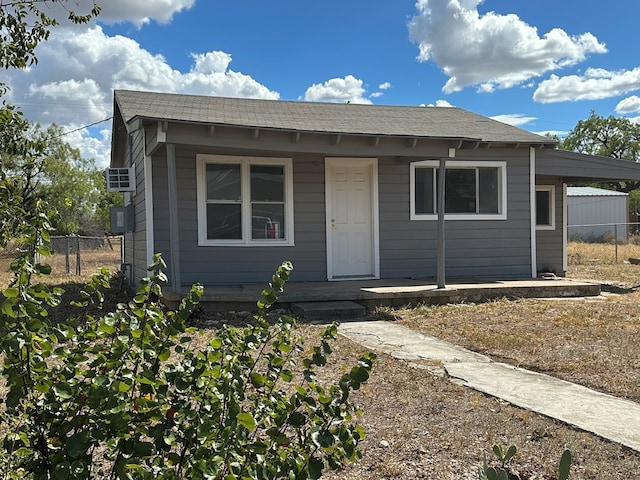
(420, 425)
(90, 262)
(599, 261)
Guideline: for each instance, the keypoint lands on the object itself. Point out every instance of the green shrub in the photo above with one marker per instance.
(505, 454)
(124, 395)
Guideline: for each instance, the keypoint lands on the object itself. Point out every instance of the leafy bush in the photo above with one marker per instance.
(124, 395)
(504, 456)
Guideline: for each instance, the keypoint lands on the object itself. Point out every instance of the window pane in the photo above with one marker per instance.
(223, 221)
(223, 181)
(543, 207)
(267, 221)
(460, 191)
(267, 183)
(489, 195)
(424, 191)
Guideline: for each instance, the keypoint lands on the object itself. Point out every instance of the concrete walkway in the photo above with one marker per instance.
(609, 417)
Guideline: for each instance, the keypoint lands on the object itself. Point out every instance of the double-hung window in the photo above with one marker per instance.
(473, 190)
(545, 207)
(245, 200)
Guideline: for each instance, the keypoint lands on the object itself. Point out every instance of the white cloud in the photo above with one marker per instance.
(553, 133)
(96, 145)
(515, 119)
(628, 105)
(595, 84)
(491, 50)
(138, 12)
(337, 90)
(442, 103)
(78, 69)
(384, 86)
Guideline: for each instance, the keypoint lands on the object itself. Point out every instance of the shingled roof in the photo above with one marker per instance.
(332, 118)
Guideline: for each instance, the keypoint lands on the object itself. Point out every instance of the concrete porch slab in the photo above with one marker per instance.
(315, 311)
(390, 292)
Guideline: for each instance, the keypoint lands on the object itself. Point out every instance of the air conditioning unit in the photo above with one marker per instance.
(121, 179)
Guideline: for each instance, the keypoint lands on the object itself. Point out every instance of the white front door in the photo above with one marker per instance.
(352, 218)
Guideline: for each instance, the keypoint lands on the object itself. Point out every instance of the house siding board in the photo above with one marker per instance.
(136, 253)
(549, 242)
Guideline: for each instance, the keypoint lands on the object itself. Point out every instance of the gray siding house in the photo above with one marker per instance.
(228, 188)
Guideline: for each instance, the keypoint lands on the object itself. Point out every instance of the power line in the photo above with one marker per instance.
(81, 128)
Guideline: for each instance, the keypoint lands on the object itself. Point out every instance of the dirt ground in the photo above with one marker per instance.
(423, 426)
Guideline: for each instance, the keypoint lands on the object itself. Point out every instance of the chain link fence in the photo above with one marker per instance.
(73, 255)
(621, 242)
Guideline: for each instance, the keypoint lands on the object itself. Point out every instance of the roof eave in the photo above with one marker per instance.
(457, 142)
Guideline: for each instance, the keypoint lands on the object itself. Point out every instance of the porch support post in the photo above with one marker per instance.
(442, 171)
(174, 234)
(442, 166)
(565, 226)
(532, 203)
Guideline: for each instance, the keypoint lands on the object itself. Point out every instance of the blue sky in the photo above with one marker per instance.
(539, 64)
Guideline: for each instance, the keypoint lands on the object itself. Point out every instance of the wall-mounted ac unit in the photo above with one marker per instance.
(121, 179)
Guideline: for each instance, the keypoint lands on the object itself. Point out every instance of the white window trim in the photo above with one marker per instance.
(502, 207)
(552, 206)
(245, 162)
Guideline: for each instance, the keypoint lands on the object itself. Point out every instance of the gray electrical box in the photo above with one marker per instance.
(121, 219)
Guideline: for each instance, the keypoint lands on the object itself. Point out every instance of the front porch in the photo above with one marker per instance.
(391, 292)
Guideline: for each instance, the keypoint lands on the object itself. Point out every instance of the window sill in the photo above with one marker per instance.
(459, 217)
(240, 243)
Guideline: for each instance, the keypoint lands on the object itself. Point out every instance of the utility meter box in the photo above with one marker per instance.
(121, 219)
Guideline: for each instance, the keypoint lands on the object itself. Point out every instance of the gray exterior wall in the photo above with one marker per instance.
(408, 248)
(135, 242)
(482, 248)
(550, 252)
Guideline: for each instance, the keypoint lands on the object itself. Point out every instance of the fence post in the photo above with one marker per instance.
(77, 255)
(615, 233)
(66, 255)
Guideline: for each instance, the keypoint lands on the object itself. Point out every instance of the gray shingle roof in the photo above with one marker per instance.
(428, 122)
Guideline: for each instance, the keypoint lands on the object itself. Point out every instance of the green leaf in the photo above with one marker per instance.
(491, 473)
(565, 465)
(511, 451)
(63, 391)
(143, 449)
(359, 374)
(247, 421)
(315, 468)
(11, 292)
(62, 471)
(78, 444)
(257, 379)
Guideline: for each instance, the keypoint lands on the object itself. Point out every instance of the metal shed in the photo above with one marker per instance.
(595, 214)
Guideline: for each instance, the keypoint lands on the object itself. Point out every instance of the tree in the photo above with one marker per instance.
(23, 25)
(69, 183)
(609, 137)
(26, 23)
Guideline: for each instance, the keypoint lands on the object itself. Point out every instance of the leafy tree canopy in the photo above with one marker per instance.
(26, 23)
(611, 136)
